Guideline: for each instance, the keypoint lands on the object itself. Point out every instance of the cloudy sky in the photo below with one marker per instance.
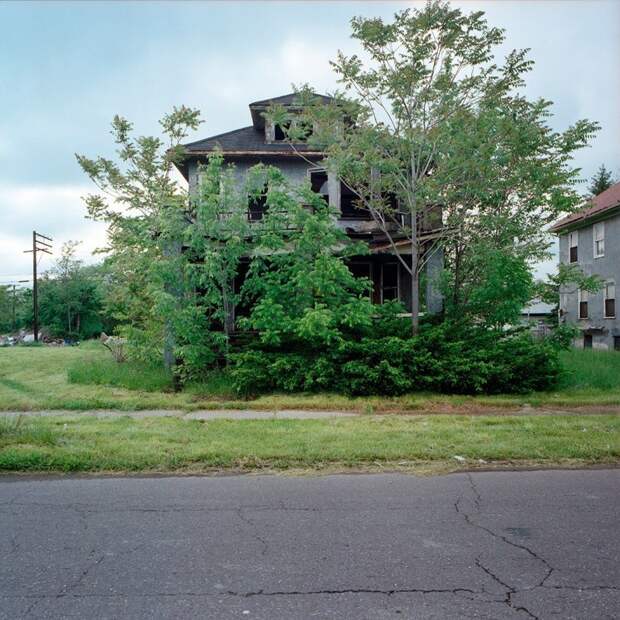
(66, 68)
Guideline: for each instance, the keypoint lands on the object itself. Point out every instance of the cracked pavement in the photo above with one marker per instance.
(540, 544)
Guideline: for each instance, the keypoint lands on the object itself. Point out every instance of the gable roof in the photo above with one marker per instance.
(599, 205)
(289, 99)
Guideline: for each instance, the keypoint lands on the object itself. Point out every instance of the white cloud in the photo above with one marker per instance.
(56, 211)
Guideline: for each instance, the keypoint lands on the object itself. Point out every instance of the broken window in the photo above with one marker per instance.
(389, 282)
(257, 206)
(280, 131)
(573, 239)
(349, 205)
(318, 182)
(610, 300)
(583, 304)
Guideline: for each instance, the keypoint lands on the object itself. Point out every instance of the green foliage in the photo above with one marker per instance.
(602, 180)
(70, 298)
(430, 118)
(503, 289)
(299, 286)
(445, 358)
(129, 375)
(21, 300)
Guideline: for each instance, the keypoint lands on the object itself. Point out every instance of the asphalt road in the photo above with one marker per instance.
(485, 545)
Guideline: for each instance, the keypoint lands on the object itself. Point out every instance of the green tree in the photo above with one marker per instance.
(432, 133)
(602, 180)
(299, 286)
(173, 257)
(146, 211)
(70, 303)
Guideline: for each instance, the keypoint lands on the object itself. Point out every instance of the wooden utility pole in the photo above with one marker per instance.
(47, 248)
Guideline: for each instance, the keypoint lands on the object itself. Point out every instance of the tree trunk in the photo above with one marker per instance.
(415, 276)
(229, 323)
(171, 250)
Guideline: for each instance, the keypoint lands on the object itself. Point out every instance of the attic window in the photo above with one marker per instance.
(280, 131)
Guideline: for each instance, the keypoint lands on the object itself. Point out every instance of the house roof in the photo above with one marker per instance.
(289, 99)
(245, 141)
(535, 306)
(599, 205)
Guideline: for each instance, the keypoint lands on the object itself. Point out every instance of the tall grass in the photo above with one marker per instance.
(129, 375)
(18, 430)
(590, 369)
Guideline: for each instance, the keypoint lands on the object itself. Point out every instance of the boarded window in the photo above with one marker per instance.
(610, 300)
(389, 281)
(573, 240)
(599, 239)
(583, 304)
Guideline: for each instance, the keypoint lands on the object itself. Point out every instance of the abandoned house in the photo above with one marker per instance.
(590, 238)
(262, 142)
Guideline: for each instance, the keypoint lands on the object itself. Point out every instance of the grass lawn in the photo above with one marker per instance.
(85, 377)
(74, 443)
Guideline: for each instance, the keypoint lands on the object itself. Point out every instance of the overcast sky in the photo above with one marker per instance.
(66, 68)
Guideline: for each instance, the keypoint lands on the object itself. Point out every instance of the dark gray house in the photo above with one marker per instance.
(590, 239)
(262, 142)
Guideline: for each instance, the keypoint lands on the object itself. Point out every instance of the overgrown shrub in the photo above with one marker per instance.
(445, 358)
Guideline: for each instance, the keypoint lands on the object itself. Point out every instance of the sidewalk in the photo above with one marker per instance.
(215, 414)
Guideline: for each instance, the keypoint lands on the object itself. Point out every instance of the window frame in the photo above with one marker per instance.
(582, 302)
(397, 287)
(599, 226)
(573, 234)
(606, 298)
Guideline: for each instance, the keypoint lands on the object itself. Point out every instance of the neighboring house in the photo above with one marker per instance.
(538, 315)
(590, 239)
(262, 142)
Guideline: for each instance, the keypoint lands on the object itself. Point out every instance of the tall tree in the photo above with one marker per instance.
(601, 181)
(146, 210)
(404, 136)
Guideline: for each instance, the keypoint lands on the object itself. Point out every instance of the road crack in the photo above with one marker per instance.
(510, 590)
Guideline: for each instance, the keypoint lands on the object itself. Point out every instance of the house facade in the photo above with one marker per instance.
(590, 239)
(262, 142)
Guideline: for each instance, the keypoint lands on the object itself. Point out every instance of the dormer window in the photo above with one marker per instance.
(280, 131)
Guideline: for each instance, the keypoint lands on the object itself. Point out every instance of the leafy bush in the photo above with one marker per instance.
(445, 358)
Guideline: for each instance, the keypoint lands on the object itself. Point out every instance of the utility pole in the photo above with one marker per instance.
(36, 247)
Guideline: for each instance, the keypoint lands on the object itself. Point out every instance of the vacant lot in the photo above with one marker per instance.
(85, 377)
